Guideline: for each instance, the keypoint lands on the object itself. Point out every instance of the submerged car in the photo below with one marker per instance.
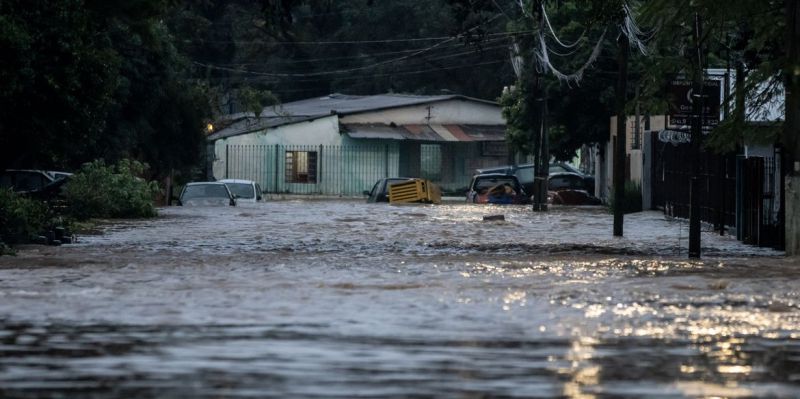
(496, 188)
(567, 188)
(380, 191)
(243, 190)
(524, 173)
(206, 194)
(30, 180)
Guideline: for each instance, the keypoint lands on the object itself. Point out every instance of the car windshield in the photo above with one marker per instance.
(486, 183)
(242, 190)
(205, 191)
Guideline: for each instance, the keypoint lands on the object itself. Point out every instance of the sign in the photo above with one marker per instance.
(681, 97)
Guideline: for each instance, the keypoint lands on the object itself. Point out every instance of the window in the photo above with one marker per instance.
(301, 166)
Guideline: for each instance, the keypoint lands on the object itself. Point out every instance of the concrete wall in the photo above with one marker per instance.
(323, 131)
(637, 155)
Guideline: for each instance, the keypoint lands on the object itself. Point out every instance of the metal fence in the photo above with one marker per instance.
(311, 169)
(736, 192)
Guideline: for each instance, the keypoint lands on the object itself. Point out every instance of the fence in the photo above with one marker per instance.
(738, 192)
(298, 169)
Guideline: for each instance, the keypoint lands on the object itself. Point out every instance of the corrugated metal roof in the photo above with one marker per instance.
(425, 132)
(346, 104)
(248, 125)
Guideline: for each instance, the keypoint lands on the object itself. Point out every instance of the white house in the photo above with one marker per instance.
(341, 144)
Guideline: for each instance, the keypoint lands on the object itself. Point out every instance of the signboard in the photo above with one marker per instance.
(681, 96)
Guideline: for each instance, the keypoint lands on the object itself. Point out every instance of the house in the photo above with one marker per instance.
(342, 144)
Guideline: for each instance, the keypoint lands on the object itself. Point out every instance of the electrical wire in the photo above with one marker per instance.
(347, 70)
(555, 37)
(340, 42)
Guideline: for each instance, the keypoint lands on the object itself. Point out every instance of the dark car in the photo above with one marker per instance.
(567, 188)
(496, 188)
(29, 180)
(206, 194)
(380, 191)
(524, 173)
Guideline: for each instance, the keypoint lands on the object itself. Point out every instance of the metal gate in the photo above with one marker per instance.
(736, 192)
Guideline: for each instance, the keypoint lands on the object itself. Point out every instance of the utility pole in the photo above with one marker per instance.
(791, 130)
(543, 168)
(537, 108)
(696, 137)
(619, 144)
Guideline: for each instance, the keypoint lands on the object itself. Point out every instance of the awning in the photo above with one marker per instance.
(425, 132)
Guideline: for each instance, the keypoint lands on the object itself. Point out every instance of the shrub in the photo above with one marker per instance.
(631, 198)
(98, 190)
(21, 218)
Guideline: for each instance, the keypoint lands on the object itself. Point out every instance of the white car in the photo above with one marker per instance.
(243, 190)
(206, 194)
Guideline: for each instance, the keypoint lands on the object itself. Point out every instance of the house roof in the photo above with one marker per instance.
(252, 124)
(343, 104)
(425, 132)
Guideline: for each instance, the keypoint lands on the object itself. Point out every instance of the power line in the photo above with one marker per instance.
(360, 77)
(348, 70)
(339, 42)
(353, 57)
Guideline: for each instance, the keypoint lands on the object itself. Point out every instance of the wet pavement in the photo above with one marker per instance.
(345, 299)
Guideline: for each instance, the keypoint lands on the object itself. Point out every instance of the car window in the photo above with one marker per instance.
(524, 174)
(562, 182)
(486, 183)
(242, 190)
(27, 181)
(205, 191)
(557, 169)
(375, 188)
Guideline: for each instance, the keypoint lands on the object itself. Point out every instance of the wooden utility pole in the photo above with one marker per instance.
(537, 109)
(791, 130)
(619, 144)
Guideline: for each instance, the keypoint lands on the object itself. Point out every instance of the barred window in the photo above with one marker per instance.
(301, 166)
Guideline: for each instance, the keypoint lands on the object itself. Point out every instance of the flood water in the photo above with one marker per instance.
(341, 299)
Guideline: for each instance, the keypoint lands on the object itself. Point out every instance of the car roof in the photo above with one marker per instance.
(494, 176)
(240, 181)
(197, 183)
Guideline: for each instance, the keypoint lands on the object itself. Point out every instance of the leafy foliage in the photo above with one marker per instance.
(631, 199)
(98, 190)
(89, 79)
(20, 218)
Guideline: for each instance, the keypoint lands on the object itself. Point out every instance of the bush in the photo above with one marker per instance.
(21, 219)
(631, 198)
(98, 190)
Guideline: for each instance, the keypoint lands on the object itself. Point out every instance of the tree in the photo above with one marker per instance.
(93, 79)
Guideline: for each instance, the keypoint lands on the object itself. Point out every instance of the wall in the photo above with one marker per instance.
(323, 131)
(636, 158)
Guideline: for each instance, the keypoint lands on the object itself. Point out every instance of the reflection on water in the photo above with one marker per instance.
(342, 299)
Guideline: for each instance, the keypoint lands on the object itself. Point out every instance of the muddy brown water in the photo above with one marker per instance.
(321, 299)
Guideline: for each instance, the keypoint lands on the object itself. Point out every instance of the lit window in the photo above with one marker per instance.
(301, 166)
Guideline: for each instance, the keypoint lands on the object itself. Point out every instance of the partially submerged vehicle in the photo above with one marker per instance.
(206, 194)
(567, 188)
(525, 174)
(380, 191)
(496, 188)
(404, 190)
(243, 190)
(30, 180)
